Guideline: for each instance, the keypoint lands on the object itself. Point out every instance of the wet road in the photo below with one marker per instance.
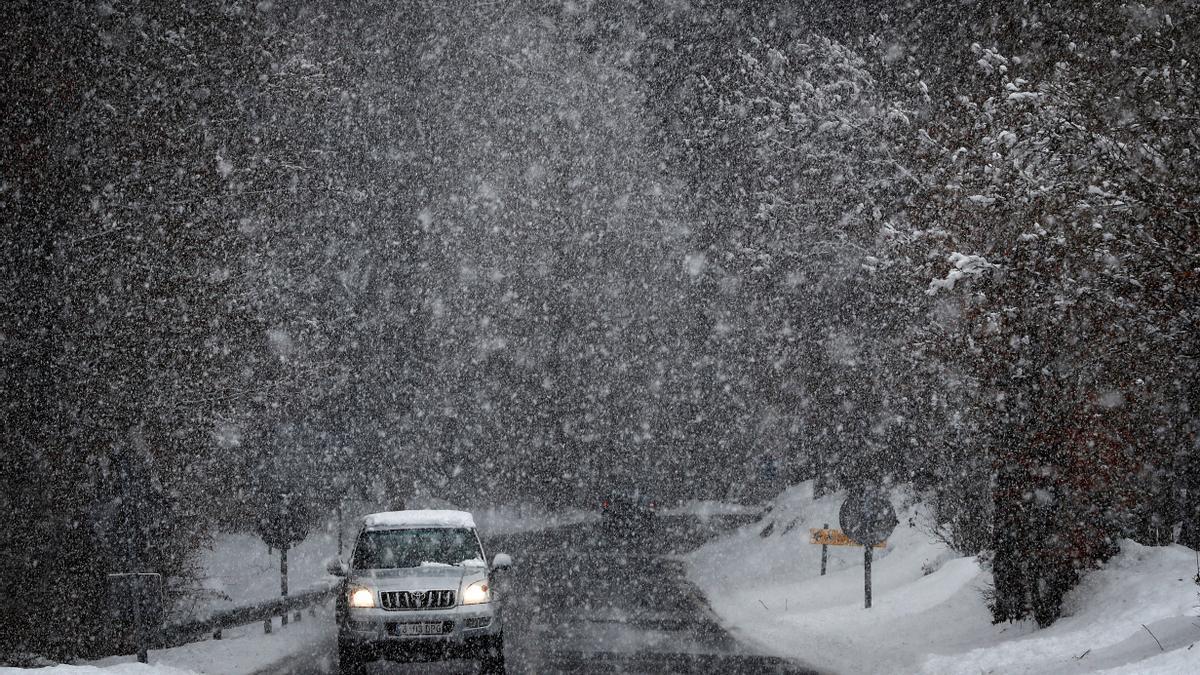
(592, 599)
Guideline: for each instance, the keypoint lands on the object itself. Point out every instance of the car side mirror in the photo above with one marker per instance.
(336, 567)
(502, 561)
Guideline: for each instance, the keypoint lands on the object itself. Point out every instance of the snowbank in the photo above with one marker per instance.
(928, 613)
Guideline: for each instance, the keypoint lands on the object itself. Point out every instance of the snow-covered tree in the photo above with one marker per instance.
(1060, 239)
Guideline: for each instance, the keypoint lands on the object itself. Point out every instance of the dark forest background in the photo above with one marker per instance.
(525, 251)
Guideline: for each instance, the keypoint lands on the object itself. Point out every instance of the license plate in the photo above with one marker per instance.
(425, 628)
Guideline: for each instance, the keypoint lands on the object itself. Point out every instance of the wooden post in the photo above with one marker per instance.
(283, 620)
(867, 574)
(824, 551)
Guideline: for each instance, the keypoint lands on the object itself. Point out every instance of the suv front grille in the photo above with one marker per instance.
(395, 600)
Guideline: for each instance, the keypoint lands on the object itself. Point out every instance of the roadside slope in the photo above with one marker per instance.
(929, 612)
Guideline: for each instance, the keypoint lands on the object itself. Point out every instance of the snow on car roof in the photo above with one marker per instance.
(418, 518)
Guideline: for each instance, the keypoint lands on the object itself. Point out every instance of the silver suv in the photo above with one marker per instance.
(418, 588)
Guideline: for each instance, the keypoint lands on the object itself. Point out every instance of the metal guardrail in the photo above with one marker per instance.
(179, 633)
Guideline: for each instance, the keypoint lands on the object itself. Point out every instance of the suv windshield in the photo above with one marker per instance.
(387, 549)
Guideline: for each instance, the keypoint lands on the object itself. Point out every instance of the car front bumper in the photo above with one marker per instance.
(373, 631)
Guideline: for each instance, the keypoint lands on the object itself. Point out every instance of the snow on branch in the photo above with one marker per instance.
(963, 266)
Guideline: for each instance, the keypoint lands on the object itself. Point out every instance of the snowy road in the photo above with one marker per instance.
(584, 599)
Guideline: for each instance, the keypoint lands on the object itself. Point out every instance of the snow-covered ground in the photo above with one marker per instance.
(929, 614)
(242, 650)
(239, 570)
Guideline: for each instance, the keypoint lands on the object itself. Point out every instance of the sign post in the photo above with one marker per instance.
(827, 537)
(868, 518)
(824, 551)
(284, 521)
(867, 576)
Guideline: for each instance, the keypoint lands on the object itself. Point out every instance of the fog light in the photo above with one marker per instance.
(477, 622)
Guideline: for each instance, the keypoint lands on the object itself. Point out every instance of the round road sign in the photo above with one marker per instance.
(867, 517)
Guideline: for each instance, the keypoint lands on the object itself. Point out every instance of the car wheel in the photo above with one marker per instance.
(491, 660)
(351, 660)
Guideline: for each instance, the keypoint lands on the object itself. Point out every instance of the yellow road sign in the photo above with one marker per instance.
(836, 538)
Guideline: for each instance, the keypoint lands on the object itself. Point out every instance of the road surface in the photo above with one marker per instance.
(591, 599)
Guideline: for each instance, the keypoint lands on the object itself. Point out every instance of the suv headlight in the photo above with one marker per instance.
(477, 593)
(362, 598)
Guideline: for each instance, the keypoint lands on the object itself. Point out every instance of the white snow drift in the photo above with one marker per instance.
(929, 613)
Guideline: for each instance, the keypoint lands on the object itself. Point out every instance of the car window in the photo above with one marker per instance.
(417, 547)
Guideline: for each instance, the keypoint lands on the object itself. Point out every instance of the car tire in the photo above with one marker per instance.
(351, 660)
(491, 658)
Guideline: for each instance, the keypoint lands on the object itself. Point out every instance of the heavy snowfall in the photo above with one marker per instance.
(658, 336)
